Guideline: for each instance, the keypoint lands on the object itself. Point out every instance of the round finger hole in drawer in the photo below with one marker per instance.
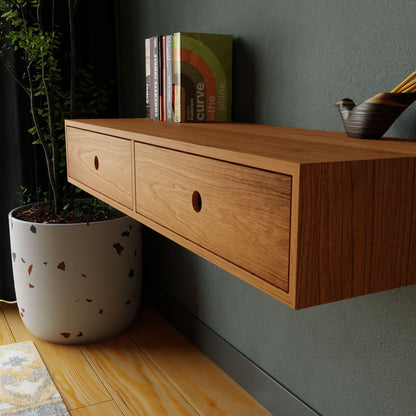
(96, 162)
(196, 201)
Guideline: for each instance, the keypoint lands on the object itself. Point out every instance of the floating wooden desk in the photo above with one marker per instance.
(306, 216)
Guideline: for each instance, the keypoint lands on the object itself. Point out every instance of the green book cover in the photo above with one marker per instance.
(202, 76)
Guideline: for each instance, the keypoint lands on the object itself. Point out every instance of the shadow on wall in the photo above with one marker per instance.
(169, 269)
(244, 82)
(405, 125)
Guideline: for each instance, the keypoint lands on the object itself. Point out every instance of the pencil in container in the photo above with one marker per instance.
(407, 85)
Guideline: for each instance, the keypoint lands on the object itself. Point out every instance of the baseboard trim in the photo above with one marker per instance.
(265, 389)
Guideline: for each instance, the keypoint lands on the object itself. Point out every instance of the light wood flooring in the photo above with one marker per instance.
(151, 369)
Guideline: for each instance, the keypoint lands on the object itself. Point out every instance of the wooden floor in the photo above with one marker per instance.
(149, 370)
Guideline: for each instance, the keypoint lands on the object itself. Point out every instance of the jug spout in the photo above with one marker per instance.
(345, 107)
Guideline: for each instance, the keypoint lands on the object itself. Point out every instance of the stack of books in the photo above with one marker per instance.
(188, 77)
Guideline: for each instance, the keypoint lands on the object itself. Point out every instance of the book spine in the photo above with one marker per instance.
(169, 79)
(155, 60)
(151, 82)
(148, 77)
(159, 57)
(163, 83)
(176, 63)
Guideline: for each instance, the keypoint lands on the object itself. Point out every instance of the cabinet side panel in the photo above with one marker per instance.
(356, 222)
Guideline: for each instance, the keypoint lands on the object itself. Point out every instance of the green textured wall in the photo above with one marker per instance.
(292, 61)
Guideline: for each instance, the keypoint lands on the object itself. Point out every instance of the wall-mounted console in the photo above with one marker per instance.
(306, 216)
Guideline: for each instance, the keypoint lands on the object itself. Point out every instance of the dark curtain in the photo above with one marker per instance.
(16, 167)
(21, 163)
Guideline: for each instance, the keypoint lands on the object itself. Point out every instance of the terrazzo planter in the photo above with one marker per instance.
(76, 283)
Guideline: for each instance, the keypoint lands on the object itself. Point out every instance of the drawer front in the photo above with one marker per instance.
(101, 162)
(239, 213)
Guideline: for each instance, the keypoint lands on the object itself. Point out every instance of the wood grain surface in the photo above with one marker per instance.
(328, 218)
(244, 213)
(102, 162)
(102, 409)
(141, 372)
(262, 146)
(356, 223)
(190, 371)
(127, 371)
(6, 336)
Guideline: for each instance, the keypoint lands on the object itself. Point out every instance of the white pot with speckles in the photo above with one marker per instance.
(76, 283)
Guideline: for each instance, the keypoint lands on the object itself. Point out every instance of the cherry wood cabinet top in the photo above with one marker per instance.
(258, 144)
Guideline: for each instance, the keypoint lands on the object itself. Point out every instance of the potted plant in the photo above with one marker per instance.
(76, 265)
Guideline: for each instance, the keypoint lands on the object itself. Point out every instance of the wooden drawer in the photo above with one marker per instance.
(306, 216)
(101, 162)
(239, 213)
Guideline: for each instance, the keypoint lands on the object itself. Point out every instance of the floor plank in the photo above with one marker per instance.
(150, 370)
(101, 409)
(136, 385)
(211, 391)
(75, 379)
(6, 336)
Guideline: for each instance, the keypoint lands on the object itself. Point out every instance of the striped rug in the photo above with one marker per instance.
(26, 388)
